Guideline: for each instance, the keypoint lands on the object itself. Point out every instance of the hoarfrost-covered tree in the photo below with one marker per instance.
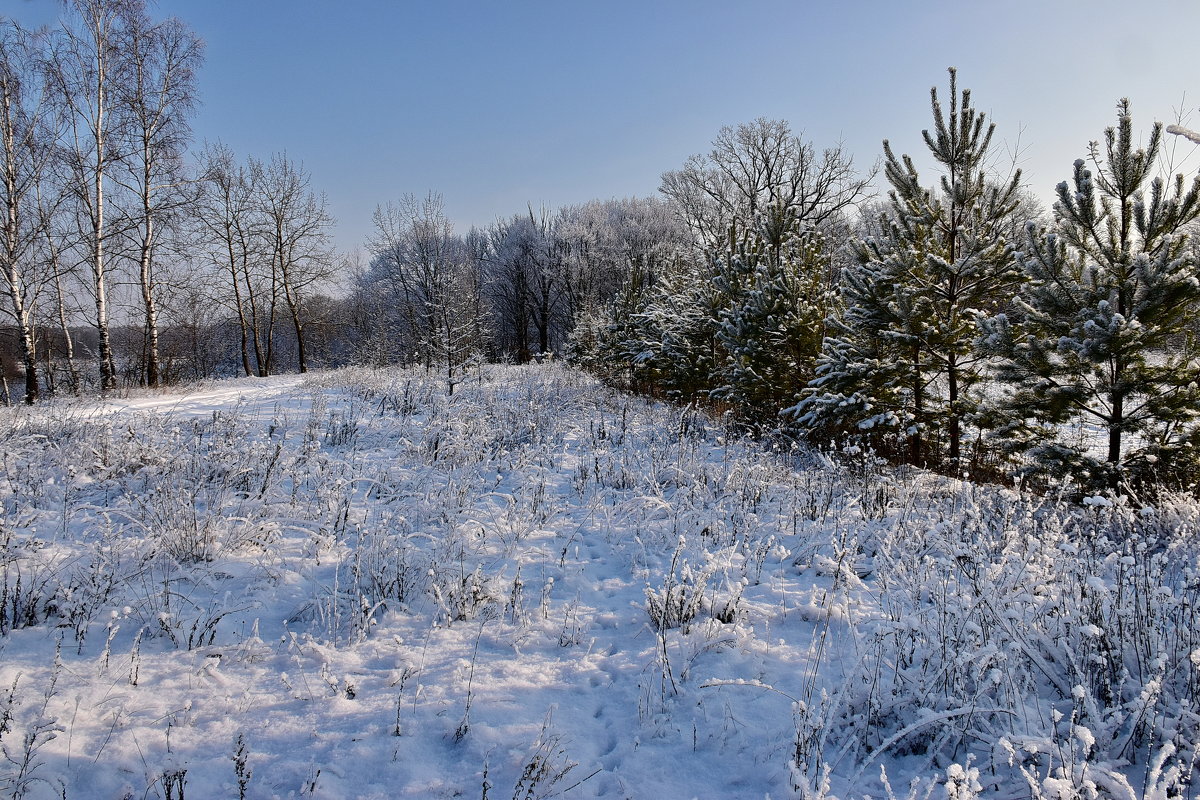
(899, 365)
(430, 284)
(602, 243)
(1099, 340)
(754, 169)
(526, 283)
(616, 251)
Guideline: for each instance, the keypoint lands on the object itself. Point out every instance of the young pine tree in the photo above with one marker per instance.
(899, 364)
(671, 342)
(1101, 370)
(778, 297)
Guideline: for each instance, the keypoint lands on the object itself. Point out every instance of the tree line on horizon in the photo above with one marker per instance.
(950, 324)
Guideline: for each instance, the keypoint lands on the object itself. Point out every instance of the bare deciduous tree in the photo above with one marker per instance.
(231, 234)
(758, 168)
(430, 278)
(26, 137)
(91, 68)
(296, 225)
(157, 97)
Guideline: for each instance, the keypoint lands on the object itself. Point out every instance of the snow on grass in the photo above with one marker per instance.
(353, 586)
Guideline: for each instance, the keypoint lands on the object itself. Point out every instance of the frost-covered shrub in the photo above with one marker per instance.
(1061, 639)
(29, 592)
(460, 595)
(679, 599)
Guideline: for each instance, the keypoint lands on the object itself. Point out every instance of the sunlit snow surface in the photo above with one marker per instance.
(537, 587)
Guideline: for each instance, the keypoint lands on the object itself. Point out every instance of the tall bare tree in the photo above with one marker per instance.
(758, 169)
(296, 224)
(27, 133)
(232, 235)
(430, 278)
(92, 67)
(157, 97)
(410, 246)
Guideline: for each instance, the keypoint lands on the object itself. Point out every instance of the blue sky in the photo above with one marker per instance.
(500, 104)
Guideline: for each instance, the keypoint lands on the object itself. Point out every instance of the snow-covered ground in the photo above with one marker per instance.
(353, 586)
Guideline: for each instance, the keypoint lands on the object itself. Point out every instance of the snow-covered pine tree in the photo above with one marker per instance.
(778, 297)
(1098, 356)
(899, 365)
(671, 342)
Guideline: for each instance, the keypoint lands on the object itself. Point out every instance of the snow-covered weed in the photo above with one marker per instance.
(29, 589)
(459, 594)
(24, 736)
(545, 767)
(241, 765)
(385, 565)
(1062, 634)
(678, 600)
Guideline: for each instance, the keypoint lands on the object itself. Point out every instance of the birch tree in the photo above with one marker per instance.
(27, 133)
(157, 98)
(91, 70)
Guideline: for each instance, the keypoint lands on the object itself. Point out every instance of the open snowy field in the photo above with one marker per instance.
(353, 586)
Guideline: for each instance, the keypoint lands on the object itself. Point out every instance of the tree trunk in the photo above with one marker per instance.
(255, 329)
(916, 454)
(955, 423)
(64, 325)
(301, 352)
(269, 336)
(1115, 425)
(293, 306)
(241, 312)
(108, 366)
(21, 315)
(151, 307)
(29, 354)
(521, 329)
(12, 270)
